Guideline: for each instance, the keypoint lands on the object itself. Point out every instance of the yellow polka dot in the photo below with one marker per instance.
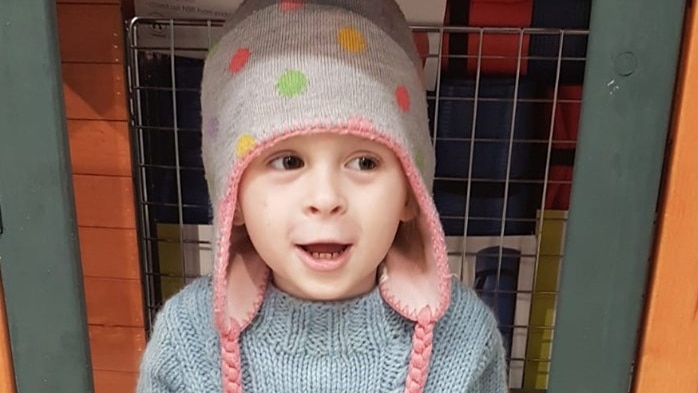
(352, 40)
(245, 144)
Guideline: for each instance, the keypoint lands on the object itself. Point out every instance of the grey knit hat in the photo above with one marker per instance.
(298, 67)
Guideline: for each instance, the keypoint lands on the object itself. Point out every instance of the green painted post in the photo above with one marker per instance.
(39, 251)
(628, 92)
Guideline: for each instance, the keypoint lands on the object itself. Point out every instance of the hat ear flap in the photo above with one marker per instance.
(238, 218)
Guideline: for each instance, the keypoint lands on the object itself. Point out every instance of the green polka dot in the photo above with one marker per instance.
(419, 160)
(291, 83)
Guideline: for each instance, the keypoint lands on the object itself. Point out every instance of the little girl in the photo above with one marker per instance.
(331, 270)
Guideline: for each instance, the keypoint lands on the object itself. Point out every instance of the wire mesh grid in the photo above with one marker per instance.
(504, 111)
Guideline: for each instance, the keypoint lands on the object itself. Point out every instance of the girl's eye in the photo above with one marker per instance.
(363, 163)
(287, 163)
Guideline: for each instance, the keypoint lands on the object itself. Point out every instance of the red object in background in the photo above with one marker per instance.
(422, 42)
(565, 129)
(499, 13)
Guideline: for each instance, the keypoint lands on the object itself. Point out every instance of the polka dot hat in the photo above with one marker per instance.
(299, 67)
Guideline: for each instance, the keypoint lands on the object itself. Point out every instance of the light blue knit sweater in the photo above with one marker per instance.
(356, 346)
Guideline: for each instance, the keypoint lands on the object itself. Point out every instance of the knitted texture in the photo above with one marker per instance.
(299, 67)
(359, 346)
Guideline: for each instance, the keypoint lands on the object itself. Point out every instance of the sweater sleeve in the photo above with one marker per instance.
(159, 369)
(494, 375)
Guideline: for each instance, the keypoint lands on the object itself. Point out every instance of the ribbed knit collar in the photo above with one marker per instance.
(358, 325)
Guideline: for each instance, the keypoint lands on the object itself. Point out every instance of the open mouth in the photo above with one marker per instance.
(325, 251)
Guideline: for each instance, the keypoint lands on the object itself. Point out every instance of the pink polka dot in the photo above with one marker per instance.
(403, 98)
(239, 59)
(290, 5)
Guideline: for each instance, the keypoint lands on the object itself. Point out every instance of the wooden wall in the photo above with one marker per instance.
(91, 34)
(668, 359)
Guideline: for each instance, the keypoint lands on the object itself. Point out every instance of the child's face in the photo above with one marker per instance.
(322, 211)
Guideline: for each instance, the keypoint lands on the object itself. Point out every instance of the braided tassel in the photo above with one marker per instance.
(230, 363)
(422, 345)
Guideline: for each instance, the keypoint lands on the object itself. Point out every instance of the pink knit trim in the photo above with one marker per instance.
(418, 293)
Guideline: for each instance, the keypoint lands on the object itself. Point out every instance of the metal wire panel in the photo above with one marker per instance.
(504, 111)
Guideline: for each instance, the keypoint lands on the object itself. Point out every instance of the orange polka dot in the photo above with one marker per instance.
(239, 59)
(403, 98)
(291, 5)
(351, 40)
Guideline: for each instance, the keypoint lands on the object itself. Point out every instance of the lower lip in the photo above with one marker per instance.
(324, 265)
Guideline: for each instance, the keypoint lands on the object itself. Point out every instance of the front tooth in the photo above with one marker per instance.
(325, 255)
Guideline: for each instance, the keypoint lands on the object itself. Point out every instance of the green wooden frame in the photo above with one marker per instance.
(632, 63)
(40, 263)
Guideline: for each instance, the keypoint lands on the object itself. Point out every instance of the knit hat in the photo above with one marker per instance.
(299, 67)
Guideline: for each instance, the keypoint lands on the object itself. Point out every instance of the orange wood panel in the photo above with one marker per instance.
(99, 147)
(6, 372)
(91, 47)
(90, 33)
(668, 359)
(104, 201)
(94, 91)
(114, 302)
(109, 253)
(116, 348)
(115, 381)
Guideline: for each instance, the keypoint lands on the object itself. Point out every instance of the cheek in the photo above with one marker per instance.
(266, 212)
(387, 202)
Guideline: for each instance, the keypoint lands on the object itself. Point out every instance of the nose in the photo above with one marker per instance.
(325, 195)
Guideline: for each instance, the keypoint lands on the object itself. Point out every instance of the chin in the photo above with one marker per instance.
(328, 291)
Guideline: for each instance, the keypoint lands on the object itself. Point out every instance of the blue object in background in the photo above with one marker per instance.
(501, 153)
(487, 201)
(567, 14)
(158, 115)
(493, 128)
(496, 284)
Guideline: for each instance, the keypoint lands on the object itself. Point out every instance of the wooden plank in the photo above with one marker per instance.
(667, 358)
(104, 201)
(94, 91)
(7, 377)
(90, 33)
(114, 302)
(116, 348)
(115, 381)
(109, 253)
(99, 147)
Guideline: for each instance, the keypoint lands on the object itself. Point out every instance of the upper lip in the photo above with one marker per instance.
(302, 244)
